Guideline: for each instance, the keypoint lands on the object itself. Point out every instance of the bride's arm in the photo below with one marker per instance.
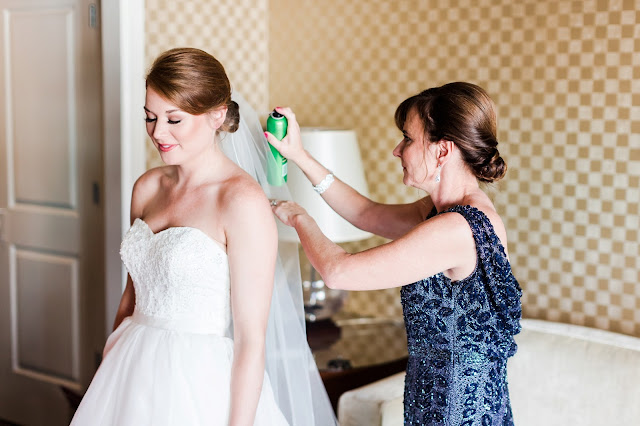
(252, 244)
(127, 303)
(144, 186)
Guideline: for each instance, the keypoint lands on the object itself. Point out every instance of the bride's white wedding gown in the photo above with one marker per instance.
(170, 362)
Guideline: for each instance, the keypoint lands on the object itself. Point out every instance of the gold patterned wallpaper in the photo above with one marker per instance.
(565, 76)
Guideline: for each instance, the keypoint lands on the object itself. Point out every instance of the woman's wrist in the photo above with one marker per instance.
(324, 183)
(298, 220)
(295, 221)
(312, 168)
(301, 159)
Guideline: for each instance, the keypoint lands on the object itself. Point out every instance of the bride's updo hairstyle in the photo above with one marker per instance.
(195, 82)
(464, 114)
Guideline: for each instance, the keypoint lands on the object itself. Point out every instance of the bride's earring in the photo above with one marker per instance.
(438, 174)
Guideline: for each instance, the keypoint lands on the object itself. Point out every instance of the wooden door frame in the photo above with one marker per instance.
(123, 70)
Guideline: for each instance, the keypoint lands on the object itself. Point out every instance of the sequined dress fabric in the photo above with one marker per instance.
(170, 362)
(460, 335)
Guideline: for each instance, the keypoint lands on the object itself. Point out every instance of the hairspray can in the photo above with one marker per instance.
(277, 170)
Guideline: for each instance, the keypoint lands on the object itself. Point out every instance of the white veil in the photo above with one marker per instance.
(292, 371)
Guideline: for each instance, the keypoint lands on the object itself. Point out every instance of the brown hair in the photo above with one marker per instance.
(464, 114)
(195, 82)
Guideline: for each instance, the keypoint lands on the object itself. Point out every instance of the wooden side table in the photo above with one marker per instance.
(353, 351)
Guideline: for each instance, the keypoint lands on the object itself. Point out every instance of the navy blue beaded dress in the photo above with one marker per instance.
(460, 335)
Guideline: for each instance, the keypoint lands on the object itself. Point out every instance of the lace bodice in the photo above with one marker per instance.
(179, 274)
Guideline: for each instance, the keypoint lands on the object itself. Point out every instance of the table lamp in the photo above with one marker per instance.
(336, 149)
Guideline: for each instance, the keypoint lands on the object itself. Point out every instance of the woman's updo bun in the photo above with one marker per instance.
(195, 82)
(464, 114)
(493, 170)
(232, 120)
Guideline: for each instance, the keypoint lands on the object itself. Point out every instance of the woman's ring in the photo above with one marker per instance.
(274, 203)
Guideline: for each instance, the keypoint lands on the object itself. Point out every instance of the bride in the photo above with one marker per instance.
(204, 334)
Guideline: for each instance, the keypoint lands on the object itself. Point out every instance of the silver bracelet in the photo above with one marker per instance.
(325, 184)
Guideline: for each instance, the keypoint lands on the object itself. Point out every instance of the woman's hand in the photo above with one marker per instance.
(287, 211)
(291, 145)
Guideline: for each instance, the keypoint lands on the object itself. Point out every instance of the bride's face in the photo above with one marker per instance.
(177, 135)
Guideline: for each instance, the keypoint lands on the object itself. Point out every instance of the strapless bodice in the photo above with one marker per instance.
(180, 276)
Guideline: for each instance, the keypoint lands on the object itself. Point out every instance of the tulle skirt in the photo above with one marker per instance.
(156, 375)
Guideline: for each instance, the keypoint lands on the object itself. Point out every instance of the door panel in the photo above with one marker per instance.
(45, 110)
(45, 349)
(48, 229)
(51, 248)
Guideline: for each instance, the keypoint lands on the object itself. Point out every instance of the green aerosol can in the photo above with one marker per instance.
(277, 170)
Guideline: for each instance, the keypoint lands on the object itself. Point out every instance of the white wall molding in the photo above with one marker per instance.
(123, 38)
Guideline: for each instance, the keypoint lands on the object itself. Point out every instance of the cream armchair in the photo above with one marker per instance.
(562, 375)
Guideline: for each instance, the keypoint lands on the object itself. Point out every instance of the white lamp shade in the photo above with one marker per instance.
(337, 150)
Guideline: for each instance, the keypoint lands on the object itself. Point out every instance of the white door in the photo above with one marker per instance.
(51, 236)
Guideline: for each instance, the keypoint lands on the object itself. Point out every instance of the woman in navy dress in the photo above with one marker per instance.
(448, 252)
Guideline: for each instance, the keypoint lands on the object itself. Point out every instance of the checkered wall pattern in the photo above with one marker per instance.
(565, 76)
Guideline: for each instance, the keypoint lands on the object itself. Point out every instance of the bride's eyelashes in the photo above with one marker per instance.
(153, 120)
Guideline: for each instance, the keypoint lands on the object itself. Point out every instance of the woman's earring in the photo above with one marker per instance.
(438, 174)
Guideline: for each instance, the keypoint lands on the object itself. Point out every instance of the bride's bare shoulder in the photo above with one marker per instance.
(243, 198)
(147, 185)
(154, 178)
(241, 189)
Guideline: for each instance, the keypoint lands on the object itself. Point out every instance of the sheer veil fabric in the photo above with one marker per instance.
(295, 379)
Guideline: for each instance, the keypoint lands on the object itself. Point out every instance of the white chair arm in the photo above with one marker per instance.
(363, 406)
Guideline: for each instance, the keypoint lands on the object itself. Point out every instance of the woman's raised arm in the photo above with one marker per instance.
(387, 220)
(442, 244)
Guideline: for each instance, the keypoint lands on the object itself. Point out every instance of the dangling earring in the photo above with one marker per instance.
(438, 174)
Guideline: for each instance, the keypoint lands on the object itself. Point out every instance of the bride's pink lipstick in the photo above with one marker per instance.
(166, 148)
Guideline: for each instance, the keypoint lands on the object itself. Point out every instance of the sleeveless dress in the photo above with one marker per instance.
(460, 335)
(170, 362)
